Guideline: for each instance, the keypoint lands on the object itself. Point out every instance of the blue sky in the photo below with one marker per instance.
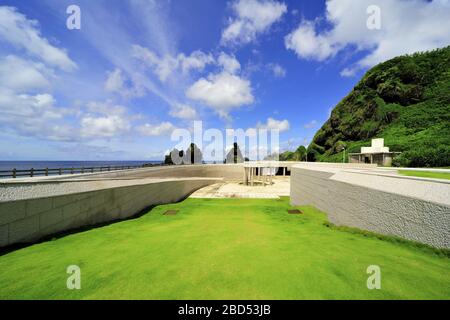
(136, 70)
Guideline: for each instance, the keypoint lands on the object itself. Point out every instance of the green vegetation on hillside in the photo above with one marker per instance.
(297, 155)
(406, 101)
(425, 174)
(225, 249)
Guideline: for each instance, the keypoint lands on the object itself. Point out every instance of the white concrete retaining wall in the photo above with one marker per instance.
(414, 209)
(28, 220)
(225, 171)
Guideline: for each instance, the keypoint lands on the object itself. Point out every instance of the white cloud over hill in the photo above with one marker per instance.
(406, 27)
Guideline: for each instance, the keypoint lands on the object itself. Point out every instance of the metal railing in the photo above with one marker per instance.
(15, 173)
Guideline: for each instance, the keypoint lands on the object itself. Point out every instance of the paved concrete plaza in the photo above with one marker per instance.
(280, 187)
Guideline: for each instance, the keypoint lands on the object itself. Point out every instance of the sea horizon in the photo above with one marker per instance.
(6, 165)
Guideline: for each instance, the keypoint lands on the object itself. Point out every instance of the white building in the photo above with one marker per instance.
(376, 153)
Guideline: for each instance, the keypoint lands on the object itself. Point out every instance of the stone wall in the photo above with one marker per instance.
(28, 220)
(414, 209)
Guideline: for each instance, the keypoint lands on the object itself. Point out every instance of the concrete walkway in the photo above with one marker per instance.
(279, 188)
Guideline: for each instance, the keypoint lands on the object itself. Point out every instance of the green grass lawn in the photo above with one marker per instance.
(224, 249)
(425, 174)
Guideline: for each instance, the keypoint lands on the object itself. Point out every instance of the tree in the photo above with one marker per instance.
(300, 154)
(297, 155)
(341, 146)
(314, 151)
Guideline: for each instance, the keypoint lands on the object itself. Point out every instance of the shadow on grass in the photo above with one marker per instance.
(62, 234)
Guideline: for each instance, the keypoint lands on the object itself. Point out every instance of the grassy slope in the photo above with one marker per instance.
(425, 174)
(223, 249)
(406, 101)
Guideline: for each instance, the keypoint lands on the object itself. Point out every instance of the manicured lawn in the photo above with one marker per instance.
(223, 249)
(425, 174)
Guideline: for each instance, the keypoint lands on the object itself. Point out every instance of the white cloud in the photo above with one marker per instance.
(103, 126)
(251, 18)
(22, 75)
(115, 81)
(293, 143)
(307, 44)
(164, 66)
(164, 128)
(222, 92)
(273, 124)
(406, 27)
(197, 60)
(118, 82)
(277, 70)
(26, 106)
(105, 108)
(348, 72)
(23, 33)
(183, 111)
(33, 116)
(104, 120)
(44, 101)
(34, 107)
(229, 63)
(310, 124)
(38, 116)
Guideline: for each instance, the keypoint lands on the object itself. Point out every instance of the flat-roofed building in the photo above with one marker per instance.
(377, 153)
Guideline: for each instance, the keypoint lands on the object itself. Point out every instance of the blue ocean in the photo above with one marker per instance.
(25, 165)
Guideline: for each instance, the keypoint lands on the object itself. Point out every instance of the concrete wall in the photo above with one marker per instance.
(30, 219)
(225, 171)
(414, 209)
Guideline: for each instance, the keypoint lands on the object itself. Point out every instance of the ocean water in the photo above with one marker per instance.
(25, 165)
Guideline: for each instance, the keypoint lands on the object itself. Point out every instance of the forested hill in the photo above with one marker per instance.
(406, 101)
